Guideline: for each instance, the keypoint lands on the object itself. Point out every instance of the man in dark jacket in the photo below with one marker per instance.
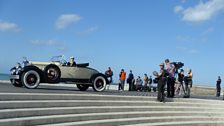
(218, 86)
(72, 62)
(130, 81)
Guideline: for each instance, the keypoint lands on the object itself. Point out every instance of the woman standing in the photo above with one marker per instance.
(188, 82)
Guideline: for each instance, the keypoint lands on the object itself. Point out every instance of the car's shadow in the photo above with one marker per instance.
(57, 89)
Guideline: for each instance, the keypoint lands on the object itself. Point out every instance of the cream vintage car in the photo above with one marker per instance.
(31, 73)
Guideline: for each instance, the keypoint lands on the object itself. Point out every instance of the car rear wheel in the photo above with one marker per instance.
(30, 79)
(82, 87)
(99, 83)
(16, 83)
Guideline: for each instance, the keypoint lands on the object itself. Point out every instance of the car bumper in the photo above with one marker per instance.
(14, 76)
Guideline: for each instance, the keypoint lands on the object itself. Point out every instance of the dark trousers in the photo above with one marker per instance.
(188, 84)
(170, 87)
(160, 86)
(130, 86)
(119, 86)
(218, 89)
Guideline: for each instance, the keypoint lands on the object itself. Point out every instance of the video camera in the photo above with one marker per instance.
(177, 65)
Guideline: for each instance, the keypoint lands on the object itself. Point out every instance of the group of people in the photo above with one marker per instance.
(167, 75)
(135, 84)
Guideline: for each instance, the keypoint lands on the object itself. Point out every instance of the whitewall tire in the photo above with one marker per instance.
(30, 79)
(99, 84)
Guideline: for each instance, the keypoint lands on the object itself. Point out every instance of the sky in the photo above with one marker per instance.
(134, 35)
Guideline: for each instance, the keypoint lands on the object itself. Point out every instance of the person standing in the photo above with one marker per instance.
(170, 68)
(146, 81)
(188, 83)
(109, 74)
(130, 81)
(161, 83)
(122, 78)
(180, 81)
(150, 83)
(218, 86)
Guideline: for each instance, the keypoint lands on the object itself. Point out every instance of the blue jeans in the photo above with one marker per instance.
(122, 84)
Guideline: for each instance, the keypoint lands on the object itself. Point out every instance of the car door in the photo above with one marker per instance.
(69, 72)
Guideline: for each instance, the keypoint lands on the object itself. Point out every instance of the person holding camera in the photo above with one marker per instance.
(180, 81)
(170, 68)
(161, 83)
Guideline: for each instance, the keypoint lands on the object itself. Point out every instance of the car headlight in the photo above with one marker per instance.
(13, 71)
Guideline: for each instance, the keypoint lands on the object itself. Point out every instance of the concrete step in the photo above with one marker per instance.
(27, 112)
(99, 119)
(158, 110)
(94, 109)
(182, 123)
(136, 120)
(69, 103)
(74, 103)
(51, 96)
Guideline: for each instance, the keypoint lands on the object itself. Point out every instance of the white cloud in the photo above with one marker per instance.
(88, 31)
(50, 43)
(204, 11)
(67, 19)
(178, 9)
(207, 31)
(45, 42)
(183, 1)
(184, 39)
(186, 50)
(9, 27)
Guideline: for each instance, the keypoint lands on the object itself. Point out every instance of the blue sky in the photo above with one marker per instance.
(129, 34)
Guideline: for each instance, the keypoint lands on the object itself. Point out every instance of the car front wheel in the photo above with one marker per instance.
(99, 84)
(30, 79)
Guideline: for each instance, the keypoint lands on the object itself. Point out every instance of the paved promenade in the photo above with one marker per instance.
(6, 87)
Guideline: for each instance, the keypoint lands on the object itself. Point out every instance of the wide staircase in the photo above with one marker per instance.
(47, 109)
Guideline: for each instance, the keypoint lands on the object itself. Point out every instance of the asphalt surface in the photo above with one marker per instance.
(53, 88)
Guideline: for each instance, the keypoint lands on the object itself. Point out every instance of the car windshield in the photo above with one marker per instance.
(60, 59)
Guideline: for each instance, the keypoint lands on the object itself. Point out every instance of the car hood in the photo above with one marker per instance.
(43, 63)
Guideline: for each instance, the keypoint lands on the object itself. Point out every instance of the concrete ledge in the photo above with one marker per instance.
(97, 109)
(85, 103)
(73, 96)
(183, 123)
(123, 121)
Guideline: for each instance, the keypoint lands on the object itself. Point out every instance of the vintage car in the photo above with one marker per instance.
(30, 74)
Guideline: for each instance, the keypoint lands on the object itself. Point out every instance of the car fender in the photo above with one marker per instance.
(31, 67)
